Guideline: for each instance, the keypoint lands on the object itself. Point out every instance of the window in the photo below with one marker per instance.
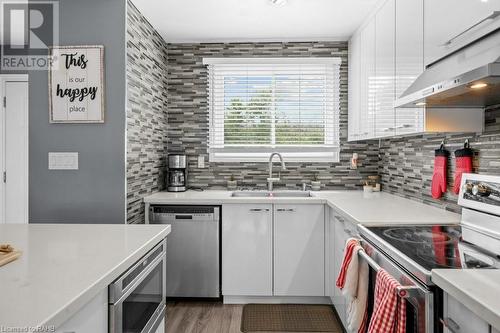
(262, 105)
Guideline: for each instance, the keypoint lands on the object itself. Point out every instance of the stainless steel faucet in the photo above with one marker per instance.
(271, 180)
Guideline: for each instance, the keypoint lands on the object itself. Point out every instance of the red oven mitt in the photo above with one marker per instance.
(440, 170)
(463, 161)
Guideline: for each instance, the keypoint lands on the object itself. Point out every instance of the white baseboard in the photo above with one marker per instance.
(277, 299)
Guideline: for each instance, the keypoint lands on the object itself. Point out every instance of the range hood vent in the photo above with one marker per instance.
(468, 78)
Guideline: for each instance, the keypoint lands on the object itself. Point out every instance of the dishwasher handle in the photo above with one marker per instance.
(183, 217)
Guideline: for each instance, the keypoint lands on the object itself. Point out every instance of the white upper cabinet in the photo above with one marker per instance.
(367, 82)
(388, 53)
(409, 50)
(354, 87)
(452, 24)
(384, 69)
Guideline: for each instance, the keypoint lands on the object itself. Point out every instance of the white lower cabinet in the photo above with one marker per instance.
(247, 250)
(299, 250)
(340, 231)
(273, 250)
(92, 317)
(457, 318)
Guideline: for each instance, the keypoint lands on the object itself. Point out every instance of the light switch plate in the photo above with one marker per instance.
(201, 161)
(63, 161)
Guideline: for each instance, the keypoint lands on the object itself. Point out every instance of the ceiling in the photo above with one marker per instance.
(254, 20)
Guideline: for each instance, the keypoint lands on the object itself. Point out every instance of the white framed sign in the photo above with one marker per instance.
(76, 84)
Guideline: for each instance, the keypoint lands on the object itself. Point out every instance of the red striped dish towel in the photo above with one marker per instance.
(389, 310)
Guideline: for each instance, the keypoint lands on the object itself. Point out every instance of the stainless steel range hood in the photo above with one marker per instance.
(468, 78)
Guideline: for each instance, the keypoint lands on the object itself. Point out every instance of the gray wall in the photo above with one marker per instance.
(96, 192)
(188, 118)
(406, 164)
(146, 112)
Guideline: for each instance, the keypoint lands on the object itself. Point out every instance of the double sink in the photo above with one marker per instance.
(271, 194)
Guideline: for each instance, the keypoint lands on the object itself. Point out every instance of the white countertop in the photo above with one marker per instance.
(477, 289)
(371, 208)
(64, 266)
(386, 208)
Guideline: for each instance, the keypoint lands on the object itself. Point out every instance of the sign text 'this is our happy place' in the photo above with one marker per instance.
(72, 60)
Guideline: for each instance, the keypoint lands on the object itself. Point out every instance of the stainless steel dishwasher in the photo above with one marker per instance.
(193, 249)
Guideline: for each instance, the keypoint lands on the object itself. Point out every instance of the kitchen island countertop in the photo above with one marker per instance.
(63, 266)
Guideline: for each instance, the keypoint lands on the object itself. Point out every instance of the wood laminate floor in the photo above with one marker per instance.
(204, 317)
(184, 317)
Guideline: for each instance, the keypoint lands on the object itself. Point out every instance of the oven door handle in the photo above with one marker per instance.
(402, 291)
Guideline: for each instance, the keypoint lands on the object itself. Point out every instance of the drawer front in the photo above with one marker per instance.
(458, 318)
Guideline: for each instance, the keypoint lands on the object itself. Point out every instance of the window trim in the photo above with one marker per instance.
(273, 61)
(296, 153)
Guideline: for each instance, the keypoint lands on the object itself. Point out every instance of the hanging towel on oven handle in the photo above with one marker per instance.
(353, 280)
(389, 310)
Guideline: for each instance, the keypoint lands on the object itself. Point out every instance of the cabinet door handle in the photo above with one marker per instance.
(450, 324)
(256, 210)
(289, 210)
(492, 16)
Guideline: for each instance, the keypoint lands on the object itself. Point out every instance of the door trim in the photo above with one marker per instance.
(3, 79)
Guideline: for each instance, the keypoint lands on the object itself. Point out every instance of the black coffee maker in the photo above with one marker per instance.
(177, 173)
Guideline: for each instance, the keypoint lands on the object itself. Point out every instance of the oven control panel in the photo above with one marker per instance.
(480, 192)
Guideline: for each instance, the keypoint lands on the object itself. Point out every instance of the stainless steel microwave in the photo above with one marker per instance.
(137, 297)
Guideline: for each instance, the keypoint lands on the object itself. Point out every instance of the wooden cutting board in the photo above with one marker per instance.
(6, 257)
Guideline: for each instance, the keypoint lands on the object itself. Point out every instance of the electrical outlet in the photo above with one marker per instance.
(201, 161)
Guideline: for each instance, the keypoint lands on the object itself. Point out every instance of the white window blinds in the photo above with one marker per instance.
(258, 106)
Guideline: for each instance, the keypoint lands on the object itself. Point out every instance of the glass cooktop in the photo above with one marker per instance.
(435, 246)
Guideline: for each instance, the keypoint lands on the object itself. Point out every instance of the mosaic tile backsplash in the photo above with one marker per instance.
(146, 112)
(406, 164)
(188, 118)
(167, 107)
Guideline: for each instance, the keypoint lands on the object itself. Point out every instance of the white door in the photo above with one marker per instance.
(14, 149)
(247, 250)
(299, 250)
